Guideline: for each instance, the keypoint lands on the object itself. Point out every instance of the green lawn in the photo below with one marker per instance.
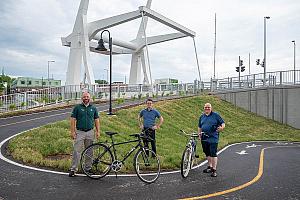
(51, 145)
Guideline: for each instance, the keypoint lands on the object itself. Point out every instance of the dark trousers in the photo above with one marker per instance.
(150, 133)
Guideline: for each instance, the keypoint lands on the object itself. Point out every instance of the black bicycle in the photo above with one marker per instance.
(188, 156)
(97, 160)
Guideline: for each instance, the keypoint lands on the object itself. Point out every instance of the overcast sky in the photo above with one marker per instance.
(30, 32)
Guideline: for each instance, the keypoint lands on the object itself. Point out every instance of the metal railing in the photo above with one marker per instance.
(65, 94)
(278, 78)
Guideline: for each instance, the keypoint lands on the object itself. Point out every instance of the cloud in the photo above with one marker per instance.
(30, 32)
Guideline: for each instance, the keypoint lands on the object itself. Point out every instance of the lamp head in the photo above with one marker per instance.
(101, 46)
(293, 41)
(267, 17)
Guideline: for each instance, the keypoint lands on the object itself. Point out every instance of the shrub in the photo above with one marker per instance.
(12, 106)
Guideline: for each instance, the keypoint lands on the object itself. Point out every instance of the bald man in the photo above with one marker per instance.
(209, 126)
(84, 118)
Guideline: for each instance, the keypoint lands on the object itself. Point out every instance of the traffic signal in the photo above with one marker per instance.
(241, 62)
(242, 68)
(237, 69)
(257, 61)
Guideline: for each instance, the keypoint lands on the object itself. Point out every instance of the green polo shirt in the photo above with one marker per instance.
(85, 116)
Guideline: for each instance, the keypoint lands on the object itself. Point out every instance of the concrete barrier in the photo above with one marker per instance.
(280, 103)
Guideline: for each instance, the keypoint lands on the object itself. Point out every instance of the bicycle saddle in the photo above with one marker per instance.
(110, 133)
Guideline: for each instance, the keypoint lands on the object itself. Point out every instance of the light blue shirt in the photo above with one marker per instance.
(149, 116)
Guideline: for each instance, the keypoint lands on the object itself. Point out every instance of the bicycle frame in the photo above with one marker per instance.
(112, 146)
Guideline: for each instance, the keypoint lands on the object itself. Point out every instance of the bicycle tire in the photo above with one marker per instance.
(96, 161)
(147, 165)
(186, 161)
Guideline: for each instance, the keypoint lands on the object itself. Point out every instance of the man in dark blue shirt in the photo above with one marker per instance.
(147, 123)
(210, 124)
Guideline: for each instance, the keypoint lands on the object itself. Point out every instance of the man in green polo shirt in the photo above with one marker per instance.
(83, 119)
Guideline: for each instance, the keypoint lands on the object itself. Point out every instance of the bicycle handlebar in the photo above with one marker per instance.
(190, 134)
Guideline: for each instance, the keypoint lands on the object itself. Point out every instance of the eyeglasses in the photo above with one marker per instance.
(207, 107)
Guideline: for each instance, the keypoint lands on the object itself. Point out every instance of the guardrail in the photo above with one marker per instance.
(278, 78)
(57, 95)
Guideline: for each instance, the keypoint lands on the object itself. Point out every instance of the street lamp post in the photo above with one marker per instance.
(265, 53)
(49, 61)
(101, 47)
(294, 61)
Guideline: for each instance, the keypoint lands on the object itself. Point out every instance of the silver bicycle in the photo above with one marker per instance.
(188, 156)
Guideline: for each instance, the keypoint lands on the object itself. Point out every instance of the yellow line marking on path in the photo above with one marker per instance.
(256, 178)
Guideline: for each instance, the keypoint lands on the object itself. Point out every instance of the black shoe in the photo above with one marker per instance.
(196, 156)
(207, 170)
(71, 173)
(90, 171)
(214, 173)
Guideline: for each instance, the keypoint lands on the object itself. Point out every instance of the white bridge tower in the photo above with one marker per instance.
(83, 39)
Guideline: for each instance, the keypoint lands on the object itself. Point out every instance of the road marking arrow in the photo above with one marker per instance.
(243, 152)
(252, 146)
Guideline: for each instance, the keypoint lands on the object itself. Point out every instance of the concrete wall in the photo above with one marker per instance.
(281, 104)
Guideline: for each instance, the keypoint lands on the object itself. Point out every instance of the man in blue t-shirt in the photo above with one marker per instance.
(147, 123)
(210, 124)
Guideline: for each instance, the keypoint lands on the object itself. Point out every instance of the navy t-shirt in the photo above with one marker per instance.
(209, 124)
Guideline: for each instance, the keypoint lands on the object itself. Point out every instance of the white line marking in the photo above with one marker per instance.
(64, 173)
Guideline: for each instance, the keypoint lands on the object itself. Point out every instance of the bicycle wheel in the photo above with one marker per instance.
(96, 160)
(146, 165)
(186, 161)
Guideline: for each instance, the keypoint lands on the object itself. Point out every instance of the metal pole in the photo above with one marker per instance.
(294, 61)
(239, 71)
(215, 44)
(110, 74)
(49, 61)
(265, 53)
(249, 65)
(197, 59)
(48, 73)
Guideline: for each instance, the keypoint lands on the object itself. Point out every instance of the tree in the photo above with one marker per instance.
(101, 82)
(8, 80)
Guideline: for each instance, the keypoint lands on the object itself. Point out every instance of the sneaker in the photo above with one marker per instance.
(214, 173)
(207, 170)
(71, 173)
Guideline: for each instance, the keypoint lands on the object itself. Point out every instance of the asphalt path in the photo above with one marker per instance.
(254, 170)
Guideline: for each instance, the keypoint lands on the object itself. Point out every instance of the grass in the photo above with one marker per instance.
(51, 145)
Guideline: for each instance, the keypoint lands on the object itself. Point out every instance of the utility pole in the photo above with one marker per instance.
(265, 51)
(215, 45)
(239, 71)
(249, 65)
